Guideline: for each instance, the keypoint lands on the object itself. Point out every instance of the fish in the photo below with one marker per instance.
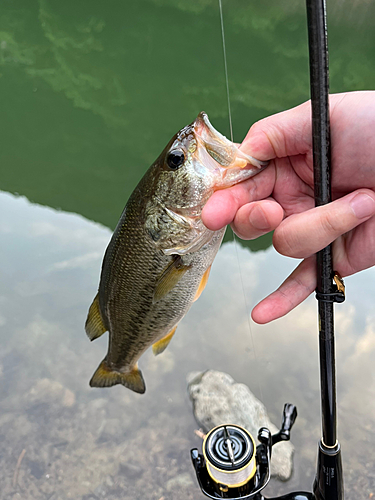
(160, 255)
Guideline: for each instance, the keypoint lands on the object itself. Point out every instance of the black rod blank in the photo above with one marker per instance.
(319, 87)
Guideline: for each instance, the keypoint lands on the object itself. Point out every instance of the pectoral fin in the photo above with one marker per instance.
(169, 278)
(105, 377)
(202, 284)
(94, 324)
(163, 343)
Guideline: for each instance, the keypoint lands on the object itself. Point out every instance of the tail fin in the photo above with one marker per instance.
(105, 377)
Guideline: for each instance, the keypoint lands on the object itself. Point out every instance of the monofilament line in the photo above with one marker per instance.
(236, 245)
(226, 69)
(234, 236)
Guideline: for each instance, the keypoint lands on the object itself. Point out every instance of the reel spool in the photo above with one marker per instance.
(232, 466)
(229, 452)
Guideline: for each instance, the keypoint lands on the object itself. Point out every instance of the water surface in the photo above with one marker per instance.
(92, 443)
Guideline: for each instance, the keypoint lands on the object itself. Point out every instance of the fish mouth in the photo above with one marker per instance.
(221, 149)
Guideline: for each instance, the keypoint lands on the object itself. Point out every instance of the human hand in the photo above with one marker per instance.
(281, 198)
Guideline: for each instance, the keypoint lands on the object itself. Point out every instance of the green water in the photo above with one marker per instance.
(90, 93)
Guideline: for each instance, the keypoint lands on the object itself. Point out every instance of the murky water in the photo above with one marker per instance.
(90, 93)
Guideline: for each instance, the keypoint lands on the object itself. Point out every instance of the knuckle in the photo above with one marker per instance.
(332, 225)
(283, 243)
(272, 135)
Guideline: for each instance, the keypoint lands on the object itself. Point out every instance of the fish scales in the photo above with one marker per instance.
(129, 305)
(159, 256)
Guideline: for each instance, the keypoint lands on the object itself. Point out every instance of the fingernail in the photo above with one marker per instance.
(363, 205)
(258, 219)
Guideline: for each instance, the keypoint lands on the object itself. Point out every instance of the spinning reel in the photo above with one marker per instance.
(232, 466)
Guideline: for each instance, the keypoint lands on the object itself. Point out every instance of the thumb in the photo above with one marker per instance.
(300, 235)
(284, 134)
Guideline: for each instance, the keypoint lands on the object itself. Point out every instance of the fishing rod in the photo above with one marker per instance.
(329, 482)
(231, 465)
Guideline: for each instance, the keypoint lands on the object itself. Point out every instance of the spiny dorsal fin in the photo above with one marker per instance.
(169, 278)
(162, 344)
(94, 324)
(105, 377)
(202, 284)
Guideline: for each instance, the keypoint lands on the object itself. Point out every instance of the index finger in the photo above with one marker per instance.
(223, 205)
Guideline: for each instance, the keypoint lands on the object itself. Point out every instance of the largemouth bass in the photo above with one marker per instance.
(158, 260)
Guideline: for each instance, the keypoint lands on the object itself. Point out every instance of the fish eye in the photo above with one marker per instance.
(175, 159)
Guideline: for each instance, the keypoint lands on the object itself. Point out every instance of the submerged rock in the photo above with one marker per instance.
(218, 399)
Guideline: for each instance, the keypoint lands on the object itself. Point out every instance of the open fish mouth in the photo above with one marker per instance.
(221, 149)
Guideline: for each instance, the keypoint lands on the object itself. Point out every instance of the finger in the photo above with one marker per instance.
(255, 219)
(284, 134)
(354, 251)
(222, 206)
(303, 234)
(295, 289)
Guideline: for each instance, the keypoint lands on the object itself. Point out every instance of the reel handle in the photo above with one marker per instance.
(287, 422)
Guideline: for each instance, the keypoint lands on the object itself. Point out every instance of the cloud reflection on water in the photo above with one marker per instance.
(50, 267)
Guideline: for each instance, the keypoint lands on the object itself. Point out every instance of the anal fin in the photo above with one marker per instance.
(105, 377)
(162, 344)
(202, 284)
(94, 324)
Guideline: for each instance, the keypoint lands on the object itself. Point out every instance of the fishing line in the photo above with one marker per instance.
(235, 241)
(236, 244)
(226, 69)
